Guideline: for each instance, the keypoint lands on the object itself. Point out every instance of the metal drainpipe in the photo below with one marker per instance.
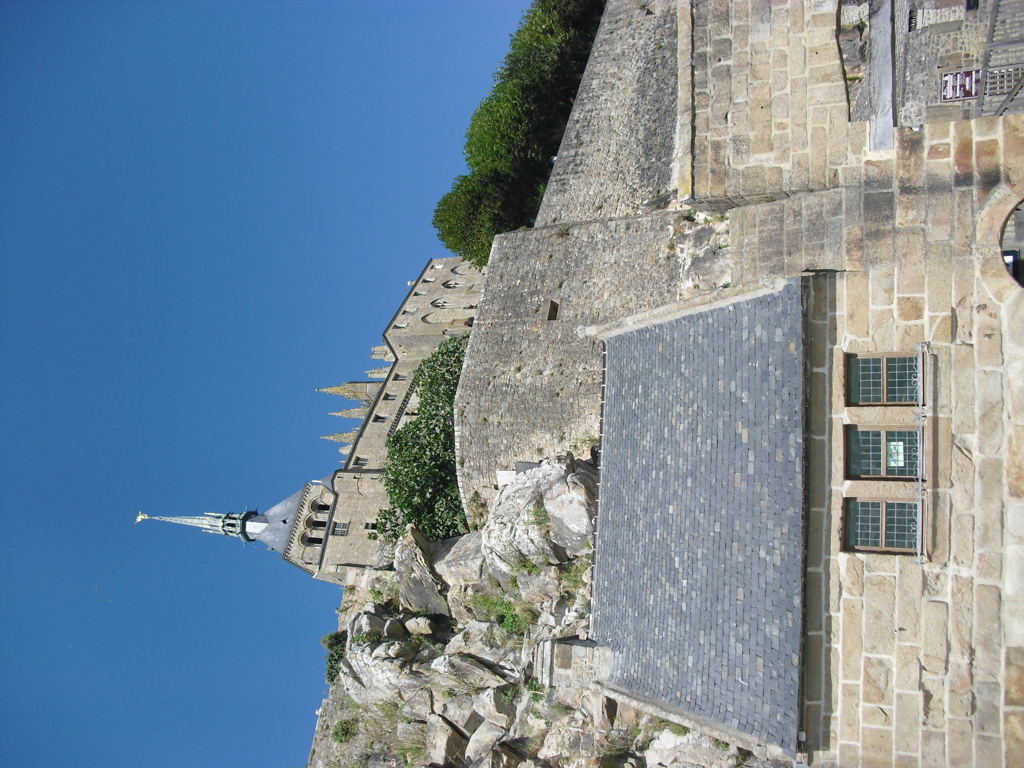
(921, 452)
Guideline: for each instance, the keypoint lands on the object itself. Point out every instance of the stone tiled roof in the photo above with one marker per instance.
(699, 557)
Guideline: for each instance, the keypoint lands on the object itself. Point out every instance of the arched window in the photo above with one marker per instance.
(316, 525)
(1012, 244)
(310, 539)
(453, 283)
(441, 303)
(319, 505)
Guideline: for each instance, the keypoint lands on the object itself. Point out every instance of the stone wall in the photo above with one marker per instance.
(531, 387)
(905, 662)
(610, 163)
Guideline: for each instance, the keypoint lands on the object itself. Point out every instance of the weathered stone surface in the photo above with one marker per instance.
(419, 706)
(461, 560)
(367, 624)
(395, 629)
(419, 625)
(459, 711)
(488, 642)
(444, 745)
(493, 707)
(464, 671)
(483, 740)
(532, 514)
(419, 590)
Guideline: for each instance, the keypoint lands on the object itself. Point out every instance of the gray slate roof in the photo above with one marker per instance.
(699, 557)
(279, 522)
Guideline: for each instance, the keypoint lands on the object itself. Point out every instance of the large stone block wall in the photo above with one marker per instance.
(618, 145)
(905, 663)
(531, 387)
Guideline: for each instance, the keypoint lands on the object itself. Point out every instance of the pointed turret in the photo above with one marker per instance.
(342, 437)
(364, 391)
(231, 524)
(352, 413)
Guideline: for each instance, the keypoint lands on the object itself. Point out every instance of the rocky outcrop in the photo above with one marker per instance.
(438, 674)
(419, 589)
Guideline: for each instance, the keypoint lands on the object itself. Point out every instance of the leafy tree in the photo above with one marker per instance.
(518, 126)
(419, 474)
(335, 645)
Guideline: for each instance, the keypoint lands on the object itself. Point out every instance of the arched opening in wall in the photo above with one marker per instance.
(315, 525)
(320, 506)
(311, 539)
(1012, 244)
(453, 283)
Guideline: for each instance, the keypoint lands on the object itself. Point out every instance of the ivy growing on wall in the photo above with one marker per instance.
(419, 474)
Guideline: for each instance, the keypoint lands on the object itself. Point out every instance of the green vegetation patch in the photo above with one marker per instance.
(518, 126)
(335, 645)
(419, 474)
(515, 617)
(344, 731)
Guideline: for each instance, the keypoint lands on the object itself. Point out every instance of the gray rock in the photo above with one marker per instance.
(493, 707)
(540, 587)
(459, 711)
(419, 625)
(483, 740)
(419, 705)
(411, 733)
(444, 745)
(366, 624)
(419, 589)
(464, 671)
(544, 516)
(461, 560)
(374, 608)
(395, 629)
(599, 709)
(395, 650)
(487, 641)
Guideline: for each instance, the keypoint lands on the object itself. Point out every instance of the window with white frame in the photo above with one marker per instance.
(339, 529)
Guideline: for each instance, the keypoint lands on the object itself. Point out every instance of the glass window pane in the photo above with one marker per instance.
(865, 453)
(901, 524)
(866, 380)
(901, 453)
(865, 523)
(901, 379)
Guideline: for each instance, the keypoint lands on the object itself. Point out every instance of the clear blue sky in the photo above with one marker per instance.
(207, 211)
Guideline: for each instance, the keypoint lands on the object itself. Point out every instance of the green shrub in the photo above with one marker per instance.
(344, 731)
(335, 645)
(515, 618)
(518, 126)
(419, 474)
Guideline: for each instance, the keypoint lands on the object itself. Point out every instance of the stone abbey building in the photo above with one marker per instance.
(324, 528)
(773, 273)
(775, 282)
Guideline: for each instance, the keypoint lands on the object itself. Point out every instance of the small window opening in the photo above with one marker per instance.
(552, 310)
(399, 326)
(340, 529)
(419, 293)
(320, 506)
(881, 525)
(314, 524)
(379, 419)
(370, 526)
(882, 453)
(428, 279)
(399, 377)
(360, 461)
(882, 380)
(390, 396)
(311, 539)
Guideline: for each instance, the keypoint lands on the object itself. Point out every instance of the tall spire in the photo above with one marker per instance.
(231, 524)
